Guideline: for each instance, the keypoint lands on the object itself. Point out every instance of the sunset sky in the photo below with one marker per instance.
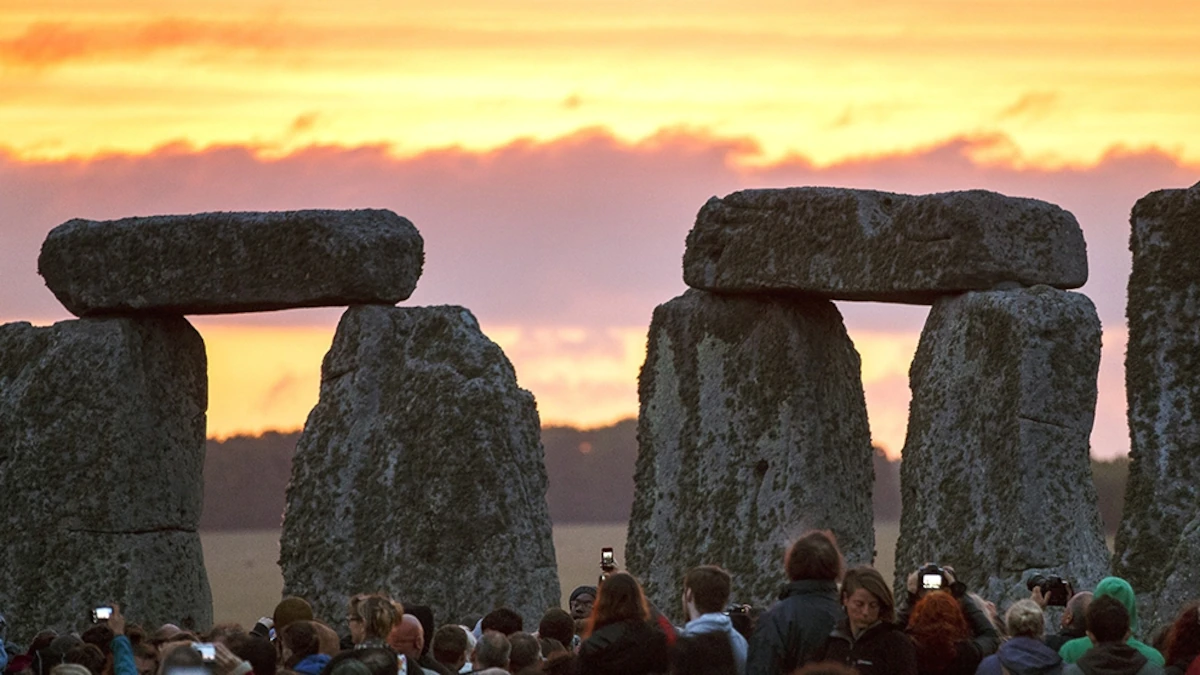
(554, 154)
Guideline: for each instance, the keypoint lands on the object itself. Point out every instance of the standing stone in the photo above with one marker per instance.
(996, 477)
(420, 472)
(753, 429)
(1162, 384)
(102, 427)
(866, 245)
(222, 263)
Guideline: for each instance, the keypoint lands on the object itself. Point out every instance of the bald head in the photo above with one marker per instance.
(407, 637)
(1074, 616)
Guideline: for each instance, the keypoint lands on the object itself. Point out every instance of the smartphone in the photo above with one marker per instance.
(606, 558)
(207, 651)
(101, 614)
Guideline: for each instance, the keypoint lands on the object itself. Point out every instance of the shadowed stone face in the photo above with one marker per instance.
(849, 244)
(420, 472)
(752, 430)
(101, 457)
(996, 477)
(221, 263)
(1156, 543)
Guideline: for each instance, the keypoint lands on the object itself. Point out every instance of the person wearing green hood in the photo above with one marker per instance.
(1119, 589)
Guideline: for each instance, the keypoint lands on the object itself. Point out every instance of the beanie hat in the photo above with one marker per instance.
(583, 590)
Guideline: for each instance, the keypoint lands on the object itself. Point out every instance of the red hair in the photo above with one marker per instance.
(936, 626)
(620, 598)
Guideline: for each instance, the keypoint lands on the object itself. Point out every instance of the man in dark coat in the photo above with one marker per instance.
(790, 633)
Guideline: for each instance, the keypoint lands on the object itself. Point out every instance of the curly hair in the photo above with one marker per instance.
(1183, 642)
(936, 626)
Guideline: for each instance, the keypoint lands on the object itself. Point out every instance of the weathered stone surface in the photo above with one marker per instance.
(753, 430)
(221, 263)
(420, 472)
(996, 479)
(102, 427)
(1162, 385)
(867, 245)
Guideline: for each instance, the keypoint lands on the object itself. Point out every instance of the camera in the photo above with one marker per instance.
(1056, 590)
(101, 614)
(931, 578)
(207, 651)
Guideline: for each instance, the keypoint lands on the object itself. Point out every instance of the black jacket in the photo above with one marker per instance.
(882, 649)
(790, 633)
(968, 653)
(624, 648)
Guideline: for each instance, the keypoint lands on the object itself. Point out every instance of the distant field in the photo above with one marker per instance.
(246, 581)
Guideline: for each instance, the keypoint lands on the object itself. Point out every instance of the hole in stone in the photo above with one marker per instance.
(760, 469)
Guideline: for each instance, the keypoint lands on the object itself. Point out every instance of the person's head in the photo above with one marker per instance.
(178, 655)
(1183, 642)
(703, 654)
(378, 660)
(551, 646)
(1074, 617)
(525, 650)
(707, 589)
(100, 635)
(502, 620)
(1107, 620)
(450, 646)
(557, 625)
(378, 615)
(54, 652)
(223, 632)
(491, 651)
(620, 599)
(814, 556)
(145, 657)
(581, 601)
(561, 663)
(70, 669)
(424, 614)
(937, 623)
(298, 641)
(87, 655)
(354, 618)
(1025, 619)
(255, 650)
(407, 637)
(290, 610)
(867, 598)
(826, 668)
(1118, 588)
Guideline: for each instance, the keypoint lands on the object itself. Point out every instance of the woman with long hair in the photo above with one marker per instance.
(943, 639)
(371, 619)
(619, 638)
(867, 637)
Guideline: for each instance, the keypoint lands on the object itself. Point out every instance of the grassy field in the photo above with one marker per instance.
(246, 582)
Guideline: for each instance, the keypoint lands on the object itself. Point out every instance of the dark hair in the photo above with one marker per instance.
(1183, 644)
(710, 587)
(551, 646)
(449, 644)
(87, 655)
(826, 668)
(562, 663)
(556, 623)
(502, 620)
(301, 639)
(870, 580)
(814, 556)
(526, 651)
(257, 651)
(492, 650)
(703, 654)
(1107, 619)
(620, 599)
(379, 660)
(223, 632)
(936, 626)
(101, 636)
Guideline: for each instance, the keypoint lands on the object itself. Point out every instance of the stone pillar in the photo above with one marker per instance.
(420, 473)
(996, 477)
(1162, 384)
(102, 427)
(752, 430)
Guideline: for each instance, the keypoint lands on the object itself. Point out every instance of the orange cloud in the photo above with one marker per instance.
(45, 44)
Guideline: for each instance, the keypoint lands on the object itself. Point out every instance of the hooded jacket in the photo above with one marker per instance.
(1120, 589)
(1022, 656)
(1113, 658)
(717, 622)
(791, 632)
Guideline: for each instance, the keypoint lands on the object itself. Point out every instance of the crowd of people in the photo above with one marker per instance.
(827, 621)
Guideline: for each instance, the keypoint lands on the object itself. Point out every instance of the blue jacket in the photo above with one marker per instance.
(312, 664)
(720, 623)
(1022, 656)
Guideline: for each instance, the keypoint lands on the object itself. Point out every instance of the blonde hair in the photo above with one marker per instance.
(1025, 618)
(379, 615)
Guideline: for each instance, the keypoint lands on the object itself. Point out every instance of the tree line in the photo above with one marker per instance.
(591, 479)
